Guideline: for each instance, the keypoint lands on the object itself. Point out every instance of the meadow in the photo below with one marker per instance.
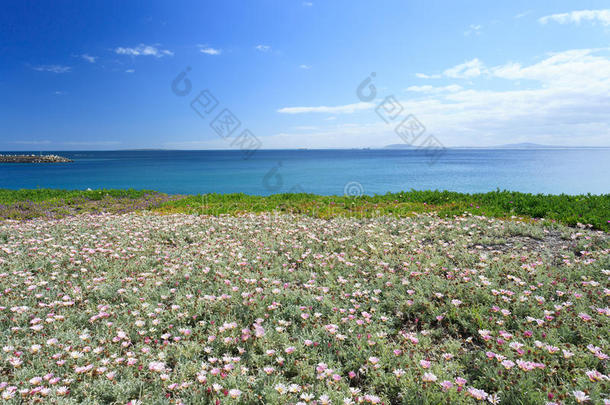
(221, 300)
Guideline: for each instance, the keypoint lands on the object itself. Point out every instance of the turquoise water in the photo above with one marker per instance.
(571, 171)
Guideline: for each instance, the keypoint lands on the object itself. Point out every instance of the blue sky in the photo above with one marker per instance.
(92, 75)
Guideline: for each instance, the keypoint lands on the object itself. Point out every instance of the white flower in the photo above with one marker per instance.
(580, 396)
(234, 393)
(429, 377)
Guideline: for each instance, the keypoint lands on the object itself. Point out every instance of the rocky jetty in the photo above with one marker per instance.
(33, 159)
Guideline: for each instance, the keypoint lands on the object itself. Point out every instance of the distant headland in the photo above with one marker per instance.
(33, 159)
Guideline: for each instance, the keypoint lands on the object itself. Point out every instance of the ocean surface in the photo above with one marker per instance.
(327, 172)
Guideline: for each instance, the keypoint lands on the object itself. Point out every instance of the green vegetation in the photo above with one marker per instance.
(48, 194)
(566, 209)
(46, 203)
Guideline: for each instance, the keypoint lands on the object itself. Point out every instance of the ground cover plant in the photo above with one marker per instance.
(287, 308)
(567, 209)
(51, 203)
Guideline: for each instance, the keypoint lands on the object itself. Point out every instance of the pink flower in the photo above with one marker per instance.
(259, 331)
(593, 375)
(429, 377)
(156, 366)
(234, 393)
(585, 317)
(477, 394)
(507, 364)
(446, 385)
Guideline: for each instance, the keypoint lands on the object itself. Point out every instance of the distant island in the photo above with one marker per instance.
(33, 159)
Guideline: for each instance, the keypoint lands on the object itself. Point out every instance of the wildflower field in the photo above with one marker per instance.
(266, 308)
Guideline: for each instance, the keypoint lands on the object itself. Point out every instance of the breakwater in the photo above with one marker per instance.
(33, 159)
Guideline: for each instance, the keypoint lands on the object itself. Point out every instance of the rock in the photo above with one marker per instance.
(33, 159)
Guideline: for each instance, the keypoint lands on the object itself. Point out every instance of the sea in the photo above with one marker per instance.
(325, 172)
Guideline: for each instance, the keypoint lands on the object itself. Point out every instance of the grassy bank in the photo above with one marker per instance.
(566, 209)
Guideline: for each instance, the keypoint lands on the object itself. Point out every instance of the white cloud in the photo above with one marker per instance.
(307, 3)
(349, 135)
(263, 48)
(306, 67)
(144, 50)
(602, 16)
(565, 68)
(466, 70)
(53, 68)
(523, 14)
(473, 29)
(88, 58)
(565, 103)
(130, 71)
(578, 69)
(306, 128)
(425, 76)
(434, 89)
(340, 109)
(210, 51)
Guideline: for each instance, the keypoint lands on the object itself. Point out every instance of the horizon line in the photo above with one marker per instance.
(302, 148)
